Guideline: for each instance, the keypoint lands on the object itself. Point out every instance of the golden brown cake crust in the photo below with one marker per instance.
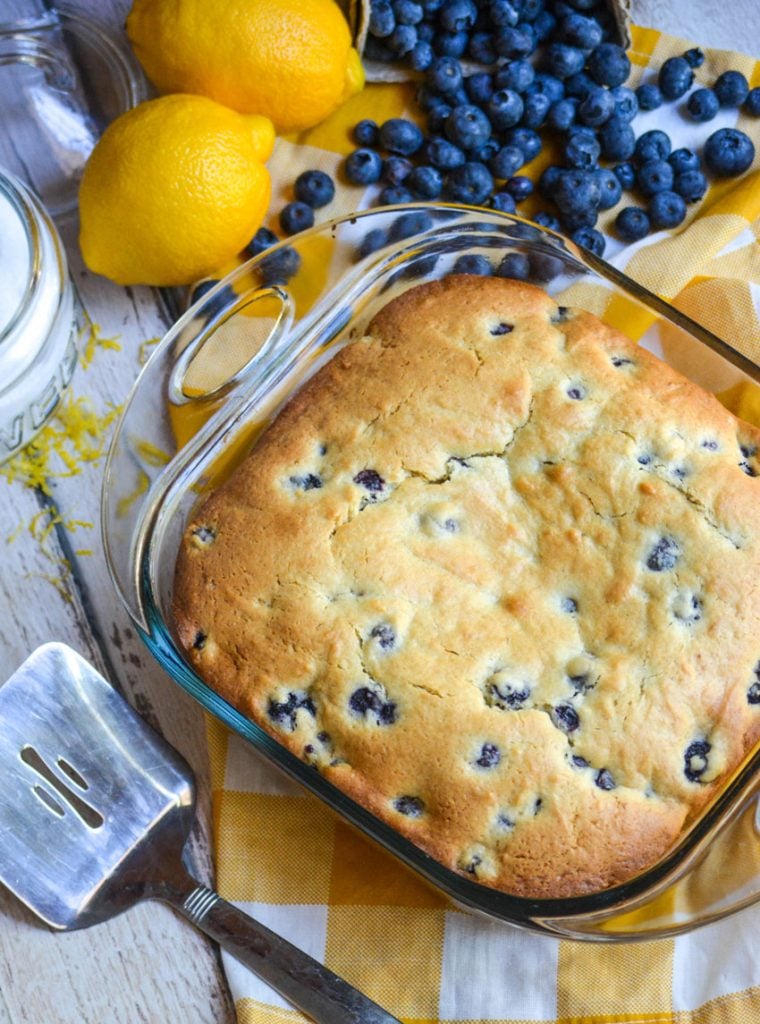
(495, 571)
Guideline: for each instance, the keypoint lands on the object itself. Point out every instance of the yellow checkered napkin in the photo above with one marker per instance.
(289, 861)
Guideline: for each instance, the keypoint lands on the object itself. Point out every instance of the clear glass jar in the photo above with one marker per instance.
(37, 323)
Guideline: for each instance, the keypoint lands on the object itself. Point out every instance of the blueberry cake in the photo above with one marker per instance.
(495, 572)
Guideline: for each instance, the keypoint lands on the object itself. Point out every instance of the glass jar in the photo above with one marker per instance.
(37, 329)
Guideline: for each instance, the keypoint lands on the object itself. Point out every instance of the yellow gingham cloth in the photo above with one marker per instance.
(285, 858)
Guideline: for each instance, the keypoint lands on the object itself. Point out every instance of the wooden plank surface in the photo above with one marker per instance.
(148, 965)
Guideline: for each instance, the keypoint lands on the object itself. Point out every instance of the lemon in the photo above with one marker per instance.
(173, 190)
(291, 60)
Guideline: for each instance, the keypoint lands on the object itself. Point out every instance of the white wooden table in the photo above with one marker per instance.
(147, 965)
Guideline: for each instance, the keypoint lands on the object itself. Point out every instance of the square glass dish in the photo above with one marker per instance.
(219, 377)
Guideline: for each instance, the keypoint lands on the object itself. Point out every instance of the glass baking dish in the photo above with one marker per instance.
(220, 375)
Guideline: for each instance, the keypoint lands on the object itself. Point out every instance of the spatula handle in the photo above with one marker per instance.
(315, 990)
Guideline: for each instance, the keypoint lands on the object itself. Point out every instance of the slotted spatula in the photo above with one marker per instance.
(95, 808)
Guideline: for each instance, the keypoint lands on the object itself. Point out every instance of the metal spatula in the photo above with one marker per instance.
(95, 809)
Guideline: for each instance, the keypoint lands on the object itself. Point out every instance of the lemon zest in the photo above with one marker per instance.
(94, 340)
(143, 352)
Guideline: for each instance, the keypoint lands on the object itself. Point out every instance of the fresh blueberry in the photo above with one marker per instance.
(695, 760)
(692, 185)
(517, 75)
(366, 133)
(653, 145)
(562, 114)
(729, 152)
(213, 306)
(519, 187)
(382, 20)
(514, 265)
(402, 39)
(608, 65)
(526, 139)
(654, 176)
(752, 103)
(562, 60)
(503, 14)
(372, 241)
(504, 109)
(514, 43)
(262, 240)
(663, 555)
(479, 87)
(471, 184)
(400, 136)
(445, 75)
(548, 181)
(675, 78)
(394, 195)
(579, 85)
(315, 188)
(683, 160)
(536, 108)
(489, 756)
(625, 174)
(649, 96)
(597, 107)
(610, 189)
(531, 9)
(467, 126)
(407, 12)
(543, 25)
(577, 192)
(484, 153)
(565, 717)
(632, 224)
(363, 166)
(702, 105)
(450, 44)
(695, 58)
(591, 239)
(506, 162)
(617, 139)
(481, 48)
(280, 266)
(421, 56)
(580, 31)
(731, 88)
(295, 217)
(547, 85)
(396, 170)
(436, 119)
(426, 182)
(626, 104)
(667, 209)
(503, 202)
(547, 220)
(443, 154)
(471, 263)
(458, 15)
(582, 151)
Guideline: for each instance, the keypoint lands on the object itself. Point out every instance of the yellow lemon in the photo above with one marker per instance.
(173, 190)
(291, 60)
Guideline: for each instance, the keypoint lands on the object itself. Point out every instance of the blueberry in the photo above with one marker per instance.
(372, 241)
(458, 15)
(400, 136)
(597, 107)
(295, 217)
(531, 9)
(515, 266)
(695, 760)
(396, 170)
(411, 806)
(604, 779)
(654, 176)
(663, 555)
(649, 96)
(729, 152)
(702, 105)
(489, 756)
(731, 88)
(517, 75)
(504, 109)
(315, 188)
(547, 220)
(402, 39)
(384, 634)
(485, 153)
(675, 78)
(562, 60)
(610, 189)
(691, 185)
(450, 44)
(471, 263)
(667, 209)
(569, 605)
(481, 48)
(504, 163)
(752, 103)
(617, 139)
(562, 114)
(426, 182)
(576, 192)
(581, 151)
(504, 13)
(578, 762)
(506, 696)
(589, 238)
(695, 58)
(577, 394)
(621, 361)
(753, 693)
(444, 75)
(543, 25)
(436, 119)
(626, 104)
(306, 482)
(503, 202)
(363, 166)
(443, 154)
(262, 240)
(407, 12)
(204, 535)
(548, 180)
(479, 87)
(366, 133)
(471, 184)
(526, 139)
(394, 195)
(382, 20)
(519, 187)
(280, 266)
(580, 85)
(200, 641)
(467, 126)
(536, 108)
(514, 43)
(370, 479)
(632, 224)
(421, 56)
(565, 717)
(580, 31)
(653, 145)
(285, 712)
(608, 65)
(545, 268)
(366, 701)
(625, 174)
(688, 608)
(683, 160)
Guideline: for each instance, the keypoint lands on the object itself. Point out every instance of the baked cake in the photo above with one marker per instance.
(495, 572)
